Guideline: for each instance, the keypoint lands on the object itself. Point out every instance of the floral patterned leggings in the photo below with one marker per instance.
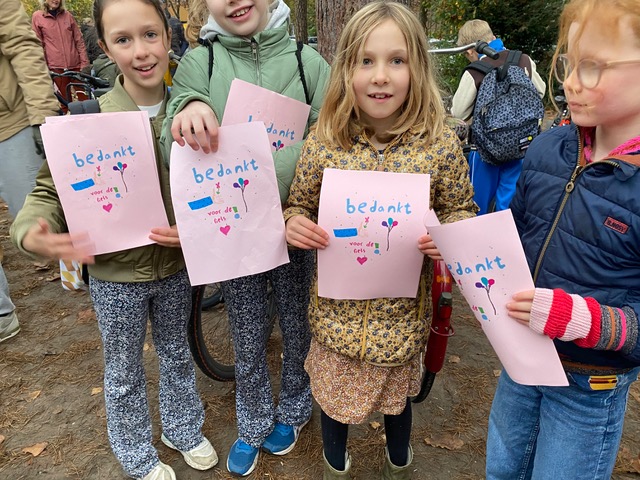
(122, 310)
(246, 301)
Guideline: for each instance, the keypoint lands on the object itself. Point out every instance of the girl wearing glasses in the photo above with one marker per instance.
(577, 208)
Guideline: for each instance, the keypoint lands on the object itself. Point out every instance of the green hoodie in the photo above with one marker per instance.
(267, 60)
(141, 264)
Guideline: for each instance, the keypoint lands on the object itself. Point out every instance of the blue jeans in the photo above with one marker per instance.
(556, 432)
(490, 181)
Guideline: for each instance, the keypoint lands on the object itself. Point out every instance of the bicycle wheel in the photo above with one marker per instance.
(212, 296)
(209, 337)
(208, 333)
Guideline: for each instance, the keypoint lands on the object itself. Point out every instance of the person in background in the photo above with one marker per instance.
(90, 37)
(27, 94)
(489, 181)
(178, 41)
(62, 42)
(197, 17)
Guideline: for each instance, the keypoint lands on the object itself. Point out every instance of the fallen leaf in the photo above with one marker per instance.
(35, 394)
(53, 277)
(375, 425)
(446, 441)
(2, 437)
(496, 373)
(36, 449)
(39, 266)
(145, 347)
(454, 359)
(96, 390)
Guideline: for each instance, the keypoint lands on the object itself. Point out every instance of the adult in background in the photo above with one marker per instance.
(62, 41)
(26, 99)
(488, 180)
(90, 37)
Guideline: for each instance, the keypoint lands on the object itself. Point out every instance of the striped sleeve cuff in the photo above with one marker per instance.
(559, 315)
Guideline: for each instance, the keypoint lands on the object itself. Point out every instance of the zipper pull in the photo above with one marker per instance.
(380, 168)
(571, 183)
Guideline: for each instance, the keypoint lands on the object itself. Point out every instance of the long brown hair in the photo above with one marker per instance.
(422, 111)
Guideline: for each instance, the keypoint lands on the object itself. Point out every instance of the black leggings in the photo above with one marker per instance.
(397, 429)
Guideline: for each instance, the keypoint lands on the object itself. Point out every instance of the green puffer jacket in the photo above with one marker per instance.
(382, 331)
(267, 60)
(141, 264)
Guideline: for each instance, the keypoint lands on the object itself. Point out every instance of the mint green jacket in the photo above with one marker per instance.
(267, 60)
(141, 264)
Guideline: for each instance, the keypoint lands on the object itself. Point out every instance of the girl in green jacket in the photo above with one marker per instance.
(127, 287)
(249, 40)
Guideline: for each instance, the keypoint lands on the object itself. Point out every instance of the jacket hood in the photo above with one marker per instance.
(278, 14)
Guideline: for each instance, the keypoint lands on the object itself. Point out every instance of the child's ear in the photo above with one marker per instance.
(105, 49)
(169, 40)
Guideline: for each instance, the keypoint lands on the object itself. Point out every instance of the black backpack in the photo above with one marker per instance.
(508, 111)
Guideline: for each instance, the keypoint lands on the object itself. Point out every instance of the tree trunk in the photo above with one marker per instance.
(331, 17)
(301, 26)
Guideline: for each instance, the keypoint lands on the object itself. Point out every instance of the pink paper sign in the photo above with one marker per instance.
(374, 220)
(485, 257)
(227, 206)
(105, 172)
(284, 118)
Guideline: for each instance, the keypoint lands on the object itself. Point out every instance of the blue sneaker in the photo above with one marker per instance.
(242, 459)
(283, 438)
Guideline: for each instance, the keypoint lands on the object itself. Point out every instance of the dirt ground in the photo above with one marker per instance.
(51, 397)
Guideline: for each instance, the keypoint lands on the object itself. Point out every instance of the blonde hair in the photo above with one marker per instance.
(608, 16)
(422, 111)
(474, 30)
(197, 17)
(44, 7)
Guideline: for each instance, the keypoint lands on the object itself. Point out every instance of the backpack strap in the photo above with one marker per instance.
(478, 70)
(209, 45)
(301, 72)
(84, 106)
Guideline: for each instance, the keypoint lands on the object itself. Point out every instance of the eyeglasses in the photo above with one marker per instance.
(588, 71)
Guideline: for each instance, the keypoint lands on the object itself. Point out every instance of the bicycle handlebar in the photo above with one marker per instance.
(97, 82)
(480, 47)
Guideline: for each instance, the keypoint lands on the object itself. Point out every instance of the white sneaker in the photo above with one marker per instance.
(160, 472)
(202, 457)
(9, 326)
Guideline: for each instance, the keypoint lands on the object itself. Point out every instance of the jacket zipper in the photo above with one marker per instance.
(568, 189)
(254, 52)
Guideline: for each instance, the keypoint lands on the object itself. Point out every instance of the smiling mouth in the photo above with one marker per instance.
(379, 96)
(240, 13)
(145, 69)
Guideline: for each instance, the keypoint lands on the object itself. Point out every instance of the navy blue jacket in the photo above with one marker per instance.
(580, 228)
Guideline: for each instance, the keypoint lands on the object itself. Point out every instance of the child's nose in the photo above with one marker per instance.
(140, 50)
(380, 74)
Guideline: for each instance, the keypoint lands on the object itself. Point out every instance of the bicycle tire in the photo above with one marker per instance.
(213, 329)
(212, 296)
(209, 336)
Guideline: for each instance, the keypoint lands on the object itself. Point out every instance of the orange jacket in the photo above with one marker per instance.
(61, 39)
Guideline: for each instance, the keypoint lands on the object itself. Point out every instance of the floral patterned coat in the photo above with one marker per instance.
(382, 331)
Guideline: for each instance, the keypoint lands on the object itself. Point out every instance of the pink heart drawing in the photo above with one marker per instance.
(225, 229)
(361, 260)
(107, 207)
